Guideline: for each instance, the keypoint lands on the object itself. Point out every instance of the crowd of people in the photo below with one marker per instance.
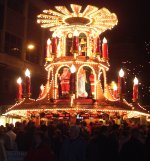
(60, 141)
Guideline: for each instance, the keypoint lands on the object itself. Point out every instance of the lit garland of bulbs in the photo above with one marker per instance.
(92, 17)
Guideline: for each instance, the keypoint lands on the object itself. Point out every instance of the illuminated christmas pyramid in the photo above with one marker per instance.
(77, 63)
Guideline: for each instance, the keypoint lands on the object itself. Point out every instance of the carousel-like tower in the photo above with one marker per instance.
(77, 62)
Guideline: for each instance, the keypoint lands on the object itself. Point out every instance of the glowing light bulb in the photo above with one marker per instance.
(27, 73)
(19, 80)
(115, 87)
(42, 87)
(54, 34)
(75, 33)
(48, 42)
(121, 73)
(104, 40)
(73, 68)
(135, 81)
(30, 46)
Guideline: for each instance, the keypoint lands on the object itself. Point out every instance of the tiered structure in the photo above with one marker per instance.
(77, 63)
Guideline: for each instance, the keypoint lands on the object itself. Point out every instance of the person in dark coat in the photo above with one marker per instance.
(133, 149)
(147, 145)
(74, 147)
(97, 146)
(40, 151)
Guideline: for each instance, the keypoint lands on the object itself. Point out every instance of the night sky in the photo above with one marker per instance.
(132, 29)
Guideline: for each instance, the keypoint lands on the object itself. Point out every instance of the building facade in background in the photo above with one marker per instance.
(18, 30)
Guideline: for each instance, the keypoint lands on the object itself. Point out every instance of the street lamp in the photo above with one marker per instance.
(30, 46)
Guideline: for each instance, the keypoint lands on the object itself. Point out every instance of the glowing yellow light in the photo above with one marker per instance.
(42, 87)
(121, 73)
(92, 18)
(54, 34)
(30, 46)
(19, 80)
(27, 73)
(75, 33)
(49, 41)
(104, 40)
(136, 82)
(70, 35)
(73, 68)
(115, 87)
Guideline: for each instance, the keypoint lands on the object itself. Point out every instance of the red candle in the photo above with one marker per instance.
(97, 48)
(115, 91)
(75, 45)
(135, 90)
(48, 48)
(54, 44)
(19, 91)
(105, 49)
(121, 85)
(41, 89)
(28, 83)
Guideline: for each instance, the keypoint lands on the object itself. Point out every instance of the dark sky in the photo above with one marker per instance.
(133, 28)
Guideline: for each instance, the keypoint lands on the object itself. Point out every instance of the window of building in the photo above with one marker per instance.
(1, 15)
(13, 45)
(16, 5)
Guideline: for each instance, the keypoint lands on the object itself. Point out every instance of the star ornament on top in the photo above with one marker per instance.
(91, 18)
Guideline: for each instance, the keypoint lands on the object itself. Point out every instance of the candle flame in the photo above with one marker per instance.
(42, 87)
(104, 40)
(49, 41)
(121, 73)
(27, 73)
(19, 80)
(73, 68)
(135, 81)
(75, 33)
(115, 87)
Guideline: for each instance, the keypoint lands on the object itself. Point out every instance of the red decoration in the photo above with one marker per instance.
(19, 90)
(97, 48)
(121, 86)
(54, 45)
(28, 86)
(28, 83)
(75, 45)
(105, 49)
(91, 78)
(115, 93)
(135, 90)
(135, 93)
